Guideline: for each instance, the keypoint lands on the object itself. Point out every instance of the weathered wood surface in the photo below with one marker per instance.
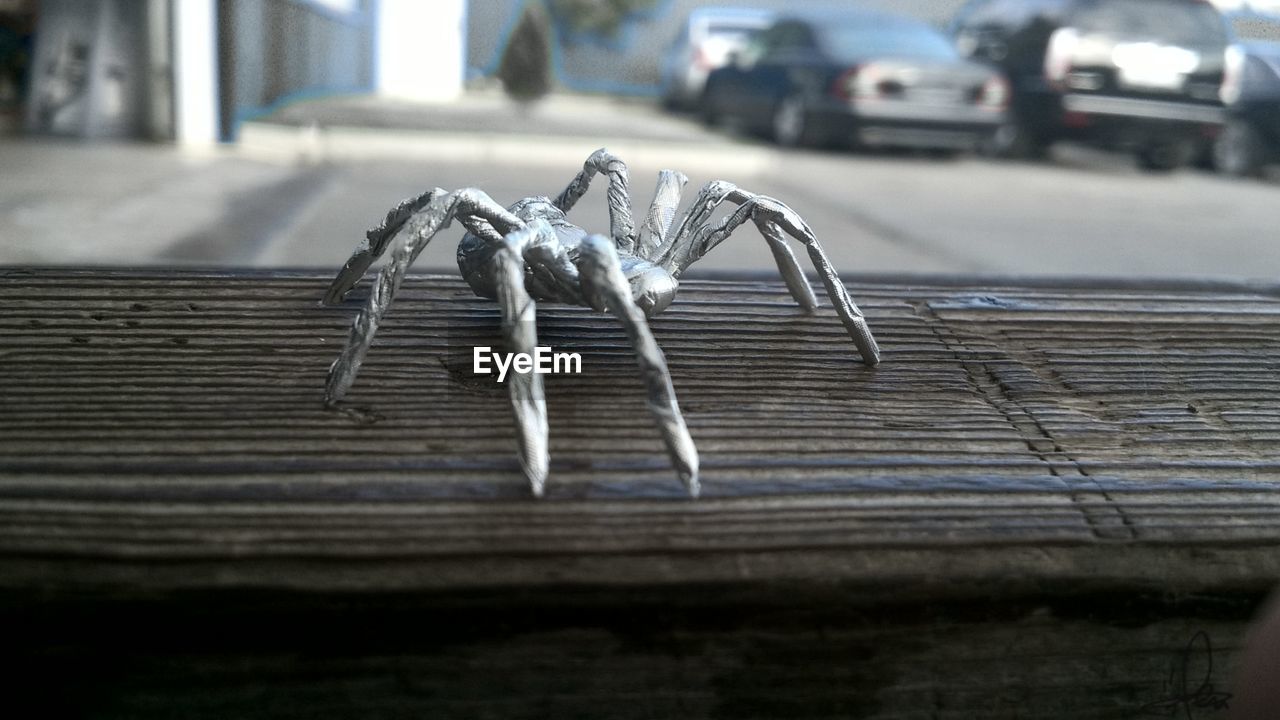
(1028, 511)
(171, 424)
(198, 656)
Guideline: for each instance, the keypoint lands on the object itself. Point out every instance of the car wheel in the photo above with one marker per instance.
(790, 123)
(709, 108)
(1164, 156)
(1014, 141)
(1238, 150)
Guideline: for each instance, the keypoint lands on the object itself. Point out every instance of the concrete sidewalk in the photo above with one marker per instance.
(102, 203)
(488, 112)
(487, 127)
(303, 195)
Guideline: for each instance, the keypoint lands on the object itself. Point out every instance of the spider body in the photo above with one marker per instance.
(530, 252)
(652, 286)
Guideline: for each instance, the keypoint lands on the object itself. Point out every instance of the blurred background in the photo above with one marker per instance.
(1114, 138)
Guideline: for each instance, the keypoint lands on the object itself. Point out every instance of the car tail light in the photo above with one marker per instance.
(1232, 73)
(860, 82)
(845, 84)
(1074, 119)
(1057, 60)
(994, 93)
(701, 60)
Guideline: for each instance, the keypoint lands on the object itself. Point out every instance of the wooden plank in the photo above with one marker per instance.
(573, 654)
(1011, 435)
(1031, 510)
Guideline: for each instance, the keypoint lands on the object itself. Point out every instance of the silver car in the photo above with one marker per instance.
(707, 38)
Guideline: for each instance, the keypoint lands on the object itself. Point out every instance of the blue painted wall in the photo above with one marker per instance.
(274, 51)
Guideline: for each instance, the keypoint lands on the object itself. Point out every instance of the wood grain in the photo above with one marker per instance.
(1027, 511)
(166, 428)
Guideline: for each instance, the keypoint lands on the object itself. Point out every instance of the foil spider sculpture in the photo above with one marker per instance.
(530, 251)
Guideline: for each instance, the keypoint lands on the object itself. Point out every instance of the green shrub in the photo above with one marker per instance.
(525, 69)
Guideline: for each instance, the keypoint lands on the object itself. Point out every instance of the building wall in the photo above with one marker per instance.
(192, 70)
(420, 48)
(17, 30)
(89, 76)
(271, 51)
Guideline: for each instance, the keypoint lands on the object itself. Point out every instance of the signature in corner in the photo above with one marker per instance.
(1183, 695)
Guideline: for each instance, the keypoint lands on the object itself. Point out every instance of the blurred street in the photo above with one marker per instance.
(300, 188)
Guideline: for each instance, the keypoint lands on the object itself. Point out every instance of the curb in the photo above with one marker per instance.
(283, 143)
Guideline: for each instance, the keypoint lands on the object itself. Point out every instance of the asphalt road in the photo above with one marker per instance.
(1086, 213)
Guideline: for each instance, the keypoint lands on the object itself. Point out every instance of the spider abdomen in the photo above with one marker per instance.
(653, 287)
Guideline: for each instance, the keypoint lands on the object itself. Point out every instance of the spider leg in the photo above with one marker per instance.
(433, 209)
(375, 243)
(423, 224)
(605, 287)
(699, 213)
(662, 212)
(519, 328)
(789, 267)
(621, 225)
(675, 250)
(771, 216)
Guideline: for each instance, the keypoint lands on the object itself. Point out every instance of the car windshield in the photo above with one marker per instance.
(1170, 21)
(871, 39)
(732, 31)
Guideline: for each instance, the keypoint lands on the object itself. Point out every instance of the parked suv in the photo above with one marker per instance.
(1143, 75)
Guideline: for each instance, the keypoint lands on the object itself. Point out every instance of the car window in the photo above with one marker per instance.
(993, 12)
(788, 40)
(732, 30)
(1011, 14)
(760, 45)
(1168, 21)
(871, 39)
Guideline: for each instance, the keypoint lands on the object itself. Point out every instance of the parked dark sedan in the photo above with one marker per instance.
(1251, 138)
(861, 78)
